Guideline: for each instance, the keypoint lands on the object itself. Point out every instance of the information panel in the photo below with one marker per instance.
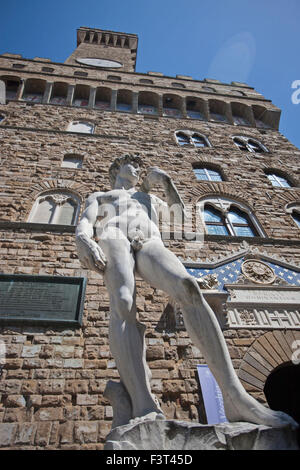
(41, 299)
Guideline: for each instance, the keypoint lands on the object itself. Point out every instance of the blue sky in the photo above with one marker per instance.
(254, 41)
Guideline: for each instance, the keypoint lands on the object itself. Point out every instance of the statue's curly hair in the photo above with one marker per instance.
(118, 162)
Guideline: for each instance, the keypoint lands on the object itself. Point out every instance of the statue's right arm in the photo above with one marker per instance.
(89, 253)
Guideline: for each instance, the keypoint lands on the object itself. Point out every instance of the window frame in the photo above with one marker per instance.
(64, 196)
(206, 169)
(245, 142)
(274, 174)
(190, 134)
(224, 205)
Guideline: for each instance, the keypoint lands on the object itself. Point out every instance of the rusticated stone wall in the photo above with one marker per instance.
(52, 383)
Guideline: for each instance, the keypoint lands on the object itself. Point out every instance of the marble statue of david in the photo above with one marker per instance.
(129, 242)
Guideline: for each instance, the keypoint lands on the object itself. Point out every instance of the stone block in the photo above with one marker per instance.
(48, 414)
(7, 433)
(86, 432)
(31, 351)
(86, 399)
(15, 401)
(26, 433)
(42, 436)
(180, 435)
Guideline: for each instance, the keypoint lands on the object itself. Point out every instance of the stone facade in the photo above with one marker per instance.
(53, 378)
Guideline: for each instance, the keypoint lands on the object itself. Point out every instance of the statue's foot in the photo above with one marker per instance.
(152, 416)
(245, 408)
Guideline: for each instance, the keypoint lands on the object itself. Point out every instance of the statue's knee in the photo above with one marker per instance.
(190, 287)
(124, 304)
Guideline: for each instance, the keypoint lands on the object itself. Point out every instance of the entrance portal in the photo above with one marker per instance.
(282, 389)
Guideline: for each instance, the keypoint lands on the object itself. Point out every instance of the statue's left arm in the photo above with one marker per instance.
(155, 176)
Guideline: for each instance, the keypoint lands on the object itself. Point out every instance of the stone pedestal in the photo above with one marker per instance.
(180, 435)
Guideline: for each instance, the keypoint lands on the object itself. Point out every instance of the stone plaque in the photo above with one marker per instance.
(41, 299)
(264, 296)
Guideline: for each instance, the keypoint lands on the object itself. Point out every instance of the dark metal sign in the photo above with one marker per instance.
(41, 299)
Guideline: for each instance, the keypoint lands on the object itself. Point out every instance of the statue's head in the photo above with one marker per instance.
(119, 162)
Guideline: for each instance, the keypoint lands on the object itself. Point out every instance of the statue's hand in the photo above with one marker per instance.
(90, 254)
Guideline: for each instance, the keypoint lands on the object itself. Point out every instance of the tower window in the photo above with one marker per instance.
(178, 85)
(249, 145)
(146, 81)
(209, 89)
(207, 174)
(277, 180)
(47, 69)
(114, 77)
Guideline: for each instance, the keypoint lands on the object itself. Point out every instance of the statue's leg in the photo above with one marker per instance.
(162, 269)
(126, 334)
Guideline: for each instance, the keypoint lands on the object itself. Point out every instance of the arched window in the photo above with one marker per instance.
(59, 208)
(248, 144)
(191, 138)
(207, 174)
(146, 81)
(223, 216)
(277, 179)
(294, 210)
(296, 217)
(81, 126)
(240, 223)
(214, 221)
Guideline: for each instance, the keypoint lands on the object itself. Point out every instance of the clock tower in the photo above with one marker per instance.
(105, 49)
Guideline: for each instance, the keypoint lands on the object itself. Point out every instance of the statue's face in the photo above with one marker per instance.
(130, 171)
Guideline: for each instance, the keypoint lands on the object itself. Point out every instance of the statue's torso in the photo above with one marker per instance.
(128, 210)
